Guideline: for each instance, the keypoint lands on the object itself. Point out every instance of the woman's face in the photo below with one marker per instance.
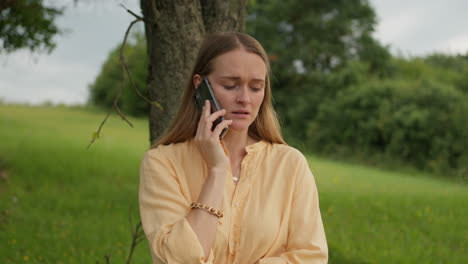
(238, 81)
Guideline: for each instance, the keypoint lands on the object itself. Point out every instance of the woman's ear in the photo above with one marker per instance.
(196, 80)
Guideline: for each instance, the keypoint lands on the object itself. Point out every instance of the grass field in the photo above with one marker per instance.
(62, 203)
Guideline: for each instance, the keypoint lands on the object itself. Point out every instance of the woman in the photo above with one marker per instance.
(245, 198)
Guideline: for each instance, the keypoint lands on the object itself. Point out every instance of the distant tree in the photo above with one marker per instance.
(452, 65)
(103, 91)
(310, 41)
(27, 24)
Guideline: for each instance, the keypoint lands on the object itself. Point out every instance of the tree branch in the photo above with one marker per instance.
(137, 236)
(125, 69)
(140, 18)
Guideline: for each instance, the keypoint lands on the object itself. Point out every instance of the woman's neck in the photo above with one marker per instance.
(236, 141)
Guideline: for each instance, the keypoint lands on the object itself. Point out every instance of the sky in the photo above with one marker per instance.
(409, 28)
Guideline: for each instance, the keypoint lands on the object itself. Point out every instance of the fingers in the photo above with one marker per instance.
(205, 114)
(206, 120)
(206, 109)
(215, 116)
(210, 117)
(219, 128)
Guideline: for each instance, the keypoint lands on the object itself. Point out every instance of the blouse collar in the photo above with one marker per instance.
(255, 147)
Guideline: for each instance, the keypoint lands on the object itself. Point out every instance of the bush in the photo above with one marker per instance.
(422, 123)
(104, 89)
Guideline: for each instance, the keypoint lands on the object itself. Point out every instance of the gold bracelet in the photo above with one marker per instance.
(207, 208)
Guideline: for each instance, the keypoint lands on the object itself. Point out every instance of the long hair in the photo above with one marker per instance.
(184, 125)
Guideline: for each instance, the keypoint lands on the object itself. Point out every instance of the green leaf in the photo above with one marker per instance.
(95, 135)
(158, 105)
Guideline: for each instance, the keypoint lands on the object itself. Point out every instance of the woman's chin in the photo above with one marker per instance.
(239, 127)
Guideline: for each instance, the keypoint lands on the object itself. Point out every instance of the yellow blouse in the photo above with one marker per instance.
(272, 216)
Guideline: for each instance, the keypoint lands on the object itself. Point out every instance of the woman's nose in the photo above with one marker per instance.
(243, 96)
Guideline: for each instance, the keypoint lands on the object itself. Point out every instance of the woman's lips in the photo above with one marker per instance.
(240, 115)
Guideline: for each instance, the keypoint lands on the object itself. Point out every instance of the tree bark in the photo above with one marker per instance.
(174, 31)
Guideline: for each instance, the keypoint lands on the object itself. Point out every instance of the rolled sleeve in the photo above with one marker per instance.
(163, 209)
(178, 243)
(306, 236)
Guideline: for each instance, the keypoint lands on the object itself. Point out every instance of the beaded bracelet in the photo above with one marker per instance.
(207, 208)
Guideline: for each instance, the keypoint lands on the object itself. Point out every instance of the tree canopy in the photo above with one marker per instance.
(28, 24)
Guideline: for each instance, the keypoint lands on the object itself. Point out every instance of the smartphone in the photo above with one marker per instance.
(205, 92)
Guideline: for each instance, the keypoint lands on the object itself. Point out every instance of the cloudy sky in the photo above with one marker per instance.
(413, 28)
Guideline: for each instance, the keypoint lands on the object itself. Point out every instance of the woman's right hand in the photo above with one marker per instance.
(208, 141)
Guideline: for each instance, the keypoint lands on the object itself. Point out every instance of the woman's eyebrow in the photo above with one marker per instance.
(236, 78)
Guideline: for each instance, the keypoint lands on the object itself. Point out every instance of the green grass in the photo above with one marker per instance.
(376, 216)
(65, 204)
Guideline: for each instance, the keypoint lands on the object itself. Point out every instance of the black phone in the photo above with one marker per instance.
(205, 92)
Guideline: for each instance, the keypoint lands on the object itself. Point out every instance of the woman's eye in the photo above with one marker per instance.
(229, 87)
(256, 89)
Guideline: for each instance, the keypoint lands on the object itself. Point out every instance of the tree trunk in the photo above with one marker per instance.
(174, 32)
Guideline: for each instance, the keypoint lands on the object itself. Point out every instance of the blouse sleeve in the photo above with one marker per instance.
(163, 209)
(306, 236)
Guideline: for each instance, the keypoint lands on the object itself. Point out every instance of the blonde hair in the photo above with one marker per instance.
(184, 125)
